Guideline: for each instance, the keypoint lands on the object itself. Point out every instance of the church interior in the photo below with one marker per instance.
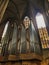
(24, 32)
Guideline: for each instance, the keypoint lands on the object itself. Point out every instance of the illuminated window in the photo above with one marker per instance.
(42, 30)
(48, 11)
(26, 22)
(48, 0)
(5, 29)
(40, 21)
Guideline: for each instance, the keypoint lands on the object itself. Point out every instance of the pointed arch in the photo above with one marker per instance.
(40, 20)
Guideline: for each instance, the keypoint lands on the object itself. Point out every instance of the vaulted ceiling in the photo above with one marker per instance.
(17, 9)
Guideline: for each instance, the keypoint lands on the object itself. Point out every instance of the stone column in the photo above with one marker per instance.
(3, 8)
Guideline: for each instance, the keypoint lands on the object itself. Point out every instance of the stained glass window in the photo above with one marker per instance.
(42, 30)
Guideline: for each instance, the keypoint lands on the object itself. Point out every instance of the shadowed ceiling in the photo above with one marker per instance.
(17, 9)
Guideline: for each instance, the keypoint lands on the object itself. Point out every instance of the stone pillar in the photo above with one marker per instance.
(3, 8)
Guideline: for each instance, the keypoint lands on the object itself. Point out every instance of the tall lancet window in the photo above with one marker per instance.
(26, 22)
(5, 38)
(5, 29)
(42, 30)
(40, 21)
(4, 35)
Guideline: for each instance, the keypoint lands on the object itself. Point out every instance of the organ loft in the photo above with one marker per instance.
(24, 32)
